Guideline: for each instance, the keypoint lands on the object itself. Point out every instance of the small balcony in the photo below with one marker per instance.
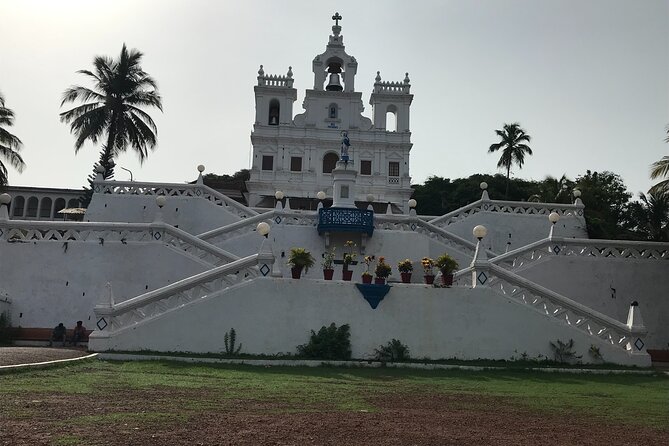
(345, 220)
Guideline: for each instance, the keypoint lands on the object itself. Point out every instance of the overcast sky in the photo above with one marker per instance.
(587, 79)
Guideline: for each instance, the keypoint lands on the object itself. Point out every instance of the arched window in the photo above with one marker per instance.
(391, 119)
(19, 205)
(32, 207)
(273, 115)
(329, 162)
(73, 203)
(45, 208)
(60, 205)
(333, 111)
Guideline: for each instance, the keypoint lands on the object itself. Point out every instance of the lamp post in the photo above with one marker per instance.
(480, 262)
(412, 207)
(266, 261)
(200, 169)
(484, 188)
(554, 217)
(279, 196)
(370, 200)
(321, 196)
(160, 201)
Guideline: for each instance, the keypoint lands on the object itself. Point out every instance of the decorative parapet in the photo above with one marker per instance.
(345, 220)
(114, 317)
(509, 207)
(384, 87)
(558, 246)
(20, 231)
(173, 190)
(274, 80)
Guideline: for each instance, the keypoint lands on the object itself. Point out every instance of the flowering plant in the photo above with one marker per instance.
(405, 266)
(428, 266)
(382, 270)
(368, 262)
(328, 258)
(349, 257)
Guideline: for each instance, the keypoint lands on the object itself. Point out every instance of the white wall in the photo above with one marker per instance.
(48, 285)
(193, 215)
(592, 281)
(275, 315)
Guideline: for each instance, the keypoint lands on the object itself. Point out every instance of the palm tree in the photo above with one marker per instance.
(512, 143)
(651, 216)
(111, 109)
(10, 145)
(660, 169)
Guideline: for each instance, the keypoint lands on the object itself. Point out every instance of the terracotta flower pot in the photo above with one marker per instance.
(328, 273)
(296, 271)
(346, 275)
(366, 278)
(447, 279)
(380, 280)
(429, 279)
(406, 277)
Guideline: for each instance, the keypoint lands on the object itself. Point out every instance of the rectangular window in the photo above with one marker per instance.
(296, 164)
(365, 167)
(344, 192)
(393, 169)
(267, 162)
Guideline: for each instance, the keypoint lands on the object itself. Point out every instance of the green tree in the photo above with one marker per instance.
(606, 205)
(513, 147)
(112, 109)
(660, 169)
(10, 145)
(650, 216)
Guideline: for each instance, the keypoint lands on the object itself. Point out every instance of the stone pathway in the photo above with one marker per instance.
(29, 355)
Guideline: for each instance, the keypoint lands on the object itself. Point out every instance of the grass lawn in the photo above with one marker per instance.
(102, 399)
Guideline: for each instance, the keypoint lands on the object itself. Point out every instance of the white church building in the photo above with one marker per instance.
(173, 267)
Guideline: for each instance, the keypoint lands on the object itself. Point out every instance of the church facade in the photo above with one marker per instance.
(296, 154)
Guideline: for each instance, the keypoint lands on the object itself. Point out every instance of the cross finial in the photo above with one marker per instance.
(336, 18)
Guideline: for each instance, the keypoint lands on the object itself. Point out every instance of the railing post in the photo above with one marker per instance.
(5, 199)
(635, 346)
(480, 264)
(103, 312)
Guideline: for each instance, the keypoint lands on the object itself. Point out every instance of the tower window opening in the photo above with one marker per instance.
(329, 162)
(19, 204)
(334, 78)
(393, 169)
(33, 203)
(273, 115)
(267, 162)
(391, 121)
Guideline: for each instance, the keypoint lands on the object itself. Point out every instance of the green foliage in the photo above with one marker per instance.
(5, 337)
(229, 339)
(330, 343)
(300, 258)
(328, 258)
(393, 351)
(382, 269)
(649, 217)
(405, 266)
(446, 264)
(513, 147)
(564, 351)
(595, 353)
(606, 204)
(236, 181)
(10, 145)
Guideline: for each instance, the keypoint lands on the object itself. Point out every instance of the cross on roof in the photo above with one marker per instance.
(336, 18)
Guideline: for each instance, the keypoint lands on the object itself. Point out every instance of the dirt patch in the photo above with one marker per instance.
(29, 355)
(207, 417)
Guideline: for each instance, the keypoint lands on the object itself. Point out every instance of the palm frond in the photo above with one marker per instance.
(660, 169)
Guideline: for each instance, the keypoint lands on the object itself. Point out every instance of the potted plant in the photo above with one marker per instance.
(382, 271)
(447, 265)
(349, 259)
(298, 260)
(405, 268)
(328, 260)
(367, 276)
(428, 270)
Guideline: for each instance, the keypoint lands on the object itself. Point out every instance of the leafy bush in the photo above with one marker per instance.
(446, 264)
(300, 258)
(329, 343)
(392, 351)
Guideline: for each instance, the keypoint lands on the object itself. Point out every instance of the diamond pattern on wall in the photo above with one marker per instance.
(482, 278)
(638, 344)
(277, 219)
(413, 226)
(264, 269)
(102, 323)
(556, 249)
(157, 235)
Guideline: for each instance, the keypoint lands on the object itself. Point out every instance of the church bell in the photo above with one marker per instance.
(334, 84)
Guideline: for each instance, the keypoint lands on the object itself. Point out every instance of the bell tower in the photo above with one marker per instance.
(334, 66)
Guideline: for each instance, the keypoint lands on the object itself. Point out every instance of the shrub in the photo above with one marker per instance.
(564, 351)
(392, 351)
(329, 343)
(229, 340)
(300, 258)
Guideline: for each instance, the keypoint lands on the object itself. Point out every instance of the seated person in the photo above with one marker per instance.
(58, 334)
(78, 333)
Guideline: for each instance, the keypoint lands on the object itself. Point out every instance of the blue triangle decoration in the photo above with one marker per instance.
(373, 294)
